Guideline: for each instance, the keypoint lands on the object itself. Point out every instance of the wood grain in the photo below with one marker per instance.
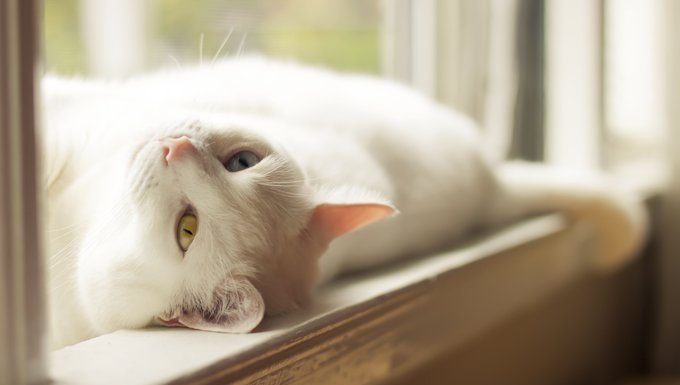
(393, 335)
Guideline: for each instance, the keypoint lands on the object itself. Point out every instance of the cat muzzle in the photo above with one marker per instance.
(175, 149)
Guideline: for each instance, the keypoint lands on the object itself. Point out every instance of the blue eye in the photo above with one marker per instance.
(241, 161)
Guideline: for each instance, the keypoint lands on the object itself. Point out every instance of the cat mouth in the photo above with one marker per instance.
(236, 306)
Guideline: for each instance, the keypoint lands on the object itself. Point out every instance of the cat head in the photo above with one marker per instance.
(208, 225)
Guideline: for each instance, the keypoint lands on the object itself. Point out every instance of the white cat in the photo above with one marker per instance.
(205, 197)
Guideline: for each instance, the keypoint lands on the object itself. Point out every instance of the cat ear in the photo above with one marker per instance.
(331, 220)
(237, 308)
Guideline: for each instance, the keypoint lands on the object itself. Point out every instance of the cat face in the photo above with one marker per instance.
(208, 225)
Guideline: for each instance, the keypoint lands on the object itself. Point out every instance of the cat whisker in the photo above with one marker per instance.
(174, 59)
(281, 183)
(200, 49)
(224, 42)
(65, 230)
(139, 179)
(67, 247)
(65, 234)
(56, 260)
(67, 227)
(64, 288)
(241, 45)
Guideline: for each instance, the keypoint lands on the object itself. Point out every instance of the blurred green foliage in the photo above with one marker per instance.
(63, 50)
(344, 34)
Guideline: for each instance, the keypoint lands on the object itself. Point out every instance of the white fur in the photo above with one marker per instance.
(331, 138)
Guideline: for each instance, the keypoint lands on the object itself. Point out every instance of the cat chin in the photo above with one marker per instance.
(235, 306)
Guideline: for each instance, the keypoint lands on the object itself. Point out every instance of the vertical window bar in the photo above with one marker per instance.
(528, 135)
(22, 320)
(573, 85)
(113, 51)
(410, 43)
(396, 41)
(424, 46)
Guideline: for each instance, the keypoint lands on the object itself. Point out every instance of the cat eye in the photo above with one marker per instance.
(186, 230)
(241, 161)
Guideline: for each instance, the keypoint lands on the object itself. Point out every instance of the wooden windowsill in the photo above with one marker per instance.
(359, 329)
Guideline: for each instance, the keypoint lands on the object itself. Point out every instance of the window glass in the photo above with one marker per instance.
(86, 37)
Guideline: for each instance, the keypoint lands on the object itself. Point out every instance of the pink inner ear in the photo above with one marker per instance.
(333, 220)
(243, 312)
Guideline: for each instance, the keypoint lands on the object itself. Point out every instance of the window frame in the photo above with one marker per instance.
(23, 321)
(418, 43)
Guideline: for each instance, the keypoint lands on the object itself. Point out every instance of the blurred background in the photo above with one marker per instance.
(591, 84)
(572, 82)
(85, 37)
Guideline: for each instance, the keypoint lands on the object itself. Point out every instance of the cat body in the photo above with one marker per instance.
(333, 153)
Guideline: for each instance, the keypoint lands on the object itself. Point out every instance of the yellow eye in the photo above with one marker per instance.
(186, 230)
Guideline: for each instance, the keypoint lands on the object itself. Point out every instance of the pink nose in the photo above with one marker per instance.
(175, 149)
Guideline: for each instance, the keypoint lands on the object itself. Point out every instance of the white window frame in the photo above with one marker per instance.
(410, 43)
(22, 320)
(412, 53)
(116, 36)
(574, 119)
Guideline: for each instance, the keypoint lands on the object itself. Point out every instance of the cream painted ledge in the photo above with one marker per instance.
(360, 329)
